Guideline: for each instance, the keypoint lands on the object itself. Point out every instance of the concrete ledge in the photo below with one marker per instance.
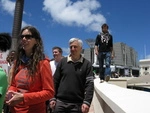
(122, 82)
(141, 79)
(110, 98)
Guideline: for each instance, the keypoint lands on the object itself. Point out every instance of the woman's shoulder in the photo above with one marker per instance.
(45, 61)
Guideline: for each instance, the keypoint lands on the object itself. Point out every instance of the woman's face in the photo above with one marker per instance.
(27, 41)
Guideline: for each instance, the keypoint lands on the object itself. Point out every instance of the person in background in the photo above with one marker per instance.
(104, 51)
(73, 81)
(5, 44)
(57, 54)
(32, 82)
(11, 57)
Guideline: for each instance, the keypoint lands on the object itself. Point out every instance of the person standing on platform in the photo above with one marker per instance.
(104, 51)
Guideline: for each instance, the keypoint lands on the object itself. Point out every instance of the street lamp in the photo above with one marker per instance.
(17, 22)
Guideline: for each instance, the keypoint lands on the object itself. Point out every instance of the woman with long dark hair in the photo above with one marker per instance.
(32, 82)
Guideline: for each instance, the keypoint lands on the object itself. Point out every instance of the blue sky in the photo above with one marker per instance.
(60, 20)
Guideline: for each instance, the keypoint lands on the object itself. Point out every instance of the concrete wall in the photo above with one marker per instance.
(111, 98)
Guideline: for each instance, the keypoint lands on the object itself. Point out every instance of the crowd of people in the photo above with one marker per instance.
(38, 84)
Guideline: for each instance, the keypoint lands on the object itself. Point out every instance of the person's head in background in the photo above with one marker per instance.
(5, 42)
(105, 28)
(57, 53)
(30, 49)
(11, 57)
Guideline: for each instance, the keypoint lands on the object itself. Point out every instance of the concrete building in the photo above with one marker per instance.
(87, 54)
(125, 55)
(144, 65)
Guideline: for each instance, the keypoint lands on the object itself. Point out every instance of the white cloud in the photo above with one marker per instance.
(24, 24)
(66, 51)
(79, 13)
(8, 6)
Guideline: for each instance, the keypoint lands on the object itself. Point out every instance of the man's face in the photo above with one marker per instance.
(56, 53)
(105, 29)
(75, 48)
(12, 56)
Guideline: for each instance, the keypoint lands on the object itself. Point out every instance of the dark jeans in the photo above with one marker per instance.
(104, 57)
(64, 107)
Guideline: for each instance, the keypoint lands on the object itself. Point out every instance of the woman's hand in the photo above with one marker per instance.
(14, 98)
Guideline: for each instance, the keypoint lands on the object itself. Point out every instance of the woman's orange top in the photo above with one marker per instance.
(36, 91)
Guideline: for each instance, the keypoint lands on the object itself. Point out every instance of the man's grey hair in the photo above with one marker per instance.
(76, 39)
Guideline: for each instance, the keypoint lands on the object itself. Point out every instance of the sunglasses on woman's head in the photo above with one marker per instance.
(26, 36)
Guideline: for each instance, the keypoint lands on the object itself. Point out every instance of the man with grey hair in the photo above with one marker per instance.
(73, 81)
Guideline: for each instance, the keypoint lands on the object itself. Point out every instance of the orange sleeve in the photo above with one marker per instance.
(47, 91)
(11, 81)
(12, 86)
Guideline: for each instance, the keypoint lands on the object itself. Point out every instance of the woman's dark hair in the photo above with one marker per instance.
(37, 52)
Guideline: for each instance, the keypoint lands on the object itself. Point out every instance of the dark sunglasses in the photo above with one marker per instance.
(26, 36)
